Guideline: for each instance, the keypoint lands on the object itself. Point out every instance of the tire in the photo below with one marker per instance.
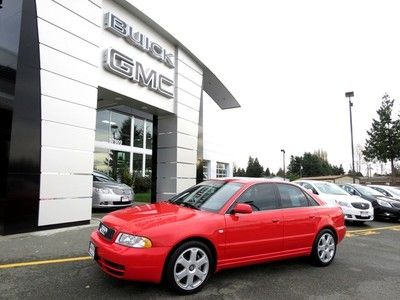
(324, 248)
(189, 268)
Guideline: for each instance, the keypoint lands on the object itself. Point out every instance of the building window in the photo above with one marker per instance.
(222, 169)
(138, 133)
(120, 133)
(206, 175)
(149, 134)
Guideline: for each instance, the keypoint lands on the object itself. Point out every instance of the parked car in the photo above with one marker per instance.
(109, 193)
(215, 225)
(384, 207)
(354, 209)
(388, 191)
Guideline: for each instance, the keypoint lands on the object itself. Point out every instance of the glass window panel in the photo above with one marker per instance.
(102, 125)
(149, 135)
(120, 129)
(101, 160)
(118, 162)
(148, 167)
(292, 196)
(221, 170)
(138, 133)
(137, 164)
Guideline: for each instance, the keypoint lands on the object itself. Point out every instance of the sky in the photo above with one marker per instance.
(289, 64)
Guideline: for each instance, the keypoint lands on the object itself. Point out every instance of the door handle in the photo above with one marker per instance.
(275, 220)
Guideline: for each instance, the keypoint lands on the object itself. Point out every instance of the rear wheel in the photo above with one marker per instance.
(189, 268)
(324, 248)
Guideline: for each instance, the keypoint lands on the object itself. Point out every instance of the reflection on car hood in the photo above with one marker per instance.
(387, 199)
(149, 216)
(345, 198)
(110, 185)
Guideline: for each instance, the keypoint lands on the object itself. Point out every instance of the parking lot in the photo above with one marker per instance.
(54, 264)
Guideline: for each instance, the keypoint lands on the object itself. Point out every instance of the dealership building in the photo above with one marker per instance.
(95, 85)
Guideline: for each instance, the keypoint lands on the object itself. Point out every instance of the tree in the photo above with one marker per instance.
(280, 173)
(254, 169)
(311, 165)
(383, 142)
(267, 172)
(239, 172)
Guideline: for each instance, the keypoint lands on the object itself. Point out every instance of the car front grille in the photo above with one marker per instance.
(363, 218)
(105, 231)
(125, 192)
(121, 203)
(360, 205)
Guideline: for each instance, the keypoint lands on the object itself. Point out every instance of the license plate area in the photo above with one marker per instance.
(92, 250)
(364, 214)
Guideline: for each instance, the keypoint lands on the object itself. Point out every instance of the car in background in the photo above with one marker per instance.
(384, 207)
(109, 193)
(354, 209)
(388, 191)
(215, 225)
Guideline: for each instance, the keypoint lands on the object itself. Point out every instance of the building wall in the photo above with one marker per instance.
(69, 37)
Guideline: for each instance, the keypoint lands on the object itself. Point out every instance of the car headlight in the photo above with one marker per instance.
(342, 203)
(383, 203)
(102, 191)
(133, 241)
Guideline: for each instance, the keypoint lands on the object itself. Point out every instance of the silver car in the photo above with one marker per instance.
(109, 193)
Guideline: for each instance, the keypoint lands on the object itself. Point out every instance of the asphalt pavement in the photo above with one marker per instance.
(54, 264)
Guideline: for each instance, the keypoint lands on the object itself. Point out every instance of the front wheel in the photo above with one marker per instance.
(189, 268)
(324, 248)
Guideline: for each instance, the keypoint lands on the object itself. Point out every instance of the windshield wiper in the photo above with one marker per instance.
(188, 204)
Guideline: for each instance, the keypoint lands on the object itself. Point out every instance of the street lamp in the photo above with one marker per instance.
(283, 154)
(349, 95)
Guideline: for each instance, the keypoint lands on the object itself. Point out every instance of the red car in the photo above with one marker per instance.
(215, 225)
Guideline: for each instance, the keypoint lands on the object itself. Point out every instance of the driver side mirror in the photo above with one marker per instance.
(313, 191)
(242, 208)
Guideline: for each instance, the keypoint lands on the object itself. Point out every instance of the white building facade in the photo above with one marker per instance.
(97, 85)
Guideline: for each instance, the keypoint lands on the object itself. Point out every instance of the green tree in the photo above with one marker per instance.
(267, 172)
(254, 169)
(383, 142)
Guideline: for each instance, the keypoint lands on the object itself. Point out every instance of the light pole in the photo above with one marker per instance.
(349, 95)
(283, 154)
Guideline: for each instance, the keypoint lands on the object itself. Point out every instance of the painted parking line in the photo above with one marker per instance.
(44, 262)
(371, 231)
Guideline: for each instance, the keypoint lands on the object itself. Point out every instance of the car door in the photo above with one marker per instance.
(300, 218)
(260, 233)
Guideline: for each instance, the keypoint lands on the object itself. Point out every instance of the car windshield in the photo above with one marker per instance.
(208, 195)
(394, 191)
(329, 188)
(367, 191)
(102, 178)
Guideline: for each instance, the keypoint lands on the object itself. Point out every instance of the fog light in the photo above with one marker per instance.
(104, 203)
(349, 216)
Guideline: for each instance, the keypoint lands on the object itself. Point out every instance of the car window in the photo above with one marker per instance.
(310, 187)
(292, 196)
(380, 190)
(350, 190)
(208, 195)
(260, 196)
(329, 188)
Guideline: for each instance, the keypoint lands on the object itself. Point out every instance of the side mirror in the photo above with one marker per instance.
(242, 208)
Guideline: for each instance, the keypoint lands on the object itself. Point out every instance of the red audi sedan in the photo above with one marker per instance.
(215, 225)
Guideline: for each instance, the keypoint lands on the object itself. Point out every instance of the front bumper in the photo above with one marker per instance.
(360, 215)
(111, 200)
(129, 263)
(387, 212)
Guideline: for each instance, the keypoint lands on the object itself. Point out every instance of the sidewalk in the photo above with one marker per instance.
(48, 244)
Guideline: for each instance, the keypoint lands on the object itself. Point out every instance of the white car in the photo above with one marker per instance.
(388, 191)
(354, 208)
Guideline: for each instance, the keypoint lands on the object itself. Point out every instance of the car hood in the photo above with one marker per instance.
(387, 199)
(345, 198)
(110, 185)
(140, 218)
